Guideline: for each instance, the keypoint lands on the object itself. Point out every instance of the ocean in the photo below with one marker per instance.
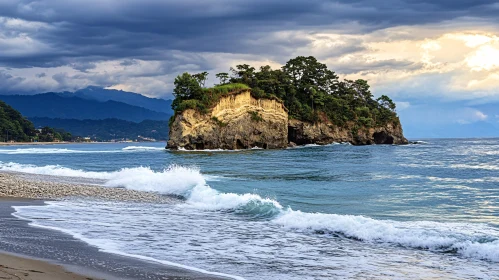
(422, 211)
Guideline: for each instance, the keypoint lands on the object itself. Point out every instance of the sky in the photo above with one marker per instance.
(439, 60)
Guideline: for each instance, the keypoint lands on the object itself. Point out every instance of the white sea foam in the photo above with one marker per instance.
(174, 180)
(182, 149)
(50, 151)
(53, 170)
(477, 241)
(24, 151)
(469, 240)
(143, 148)
(317, 145)
(108, 246)
(475, 166)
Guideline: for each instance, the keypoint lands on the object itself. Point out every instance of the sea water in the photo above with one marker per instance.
(423, 211)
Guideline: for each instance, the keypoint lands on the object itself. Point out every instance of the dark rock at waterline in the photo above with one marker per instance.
(324, 133)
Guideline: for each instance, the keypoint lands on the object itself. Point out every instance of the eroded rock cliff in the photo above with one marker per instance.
(237, 121)
(323, 133)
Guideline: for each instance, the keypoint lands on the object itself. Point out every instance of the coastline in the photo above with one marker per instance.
(63, 143)
(27, 248)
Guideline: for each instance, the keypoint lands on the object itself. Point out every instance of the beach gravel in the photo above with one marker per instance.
(13, 185)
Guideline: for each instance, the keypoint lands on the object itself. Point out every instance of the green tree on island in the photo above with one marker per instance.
(309, 90)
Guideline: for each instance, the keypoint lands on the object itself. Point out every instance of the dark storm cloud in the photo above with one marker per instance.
(83, 66)
(9, 82)
(79, 32)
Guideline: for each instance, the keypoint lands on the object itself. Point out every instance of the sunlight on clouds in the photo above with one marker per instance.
(484, 58)
(473, 40)
(466, 62)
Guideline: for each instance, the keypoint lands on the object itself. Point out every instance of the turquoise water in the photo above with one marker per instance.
(316, 212)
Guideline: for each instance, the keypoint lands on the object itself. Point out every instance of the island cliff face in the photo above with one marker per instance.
(323, 133)
(239, 121)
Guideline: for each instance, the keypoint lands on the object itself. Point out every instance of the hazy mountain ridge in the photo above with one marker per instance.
(108, 129)
(54, 105)
(130, 98)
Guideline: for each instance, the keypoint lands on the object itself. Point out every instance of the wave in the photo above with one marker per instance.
(22, 151)
(143, 148)
(317, 145)
(49, 151)
(173, 180)
(54, 170)
(181, 149)
(483, 166)
(108, 247)
(477, 241)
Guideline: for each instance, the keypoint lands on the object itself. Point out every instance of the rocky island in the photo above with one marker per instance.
(302, 103)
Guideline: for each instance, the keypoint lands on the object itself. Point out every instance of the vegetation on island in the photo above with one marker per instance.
(15, 127)
(309, 90)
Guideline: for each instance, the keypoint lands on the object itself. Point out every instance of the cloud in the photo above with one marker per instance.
(479, 116)
(405, 48)
(401, 105)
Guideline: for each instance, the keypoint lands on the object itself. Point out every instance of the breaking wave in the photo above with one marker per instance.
(478, 241)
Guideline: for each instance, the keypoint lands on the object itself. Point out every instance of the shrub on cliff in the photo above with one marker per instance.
(308, 89)
(189, 93)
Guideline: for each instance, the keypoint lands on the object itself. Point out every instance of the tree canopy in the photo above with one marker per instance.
(14, 127)
(310, 91)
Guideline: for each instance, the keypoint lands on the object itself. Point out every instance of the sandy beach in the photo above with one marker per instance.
(15, 267)
(28, 252)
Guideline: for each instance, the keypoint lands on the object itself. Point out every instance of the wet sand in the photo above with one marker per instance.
(57, 254)
(15, 267)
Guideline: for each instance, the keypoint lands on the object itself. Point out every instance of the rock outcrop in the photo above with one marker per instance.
(323, 133)
(237, 121)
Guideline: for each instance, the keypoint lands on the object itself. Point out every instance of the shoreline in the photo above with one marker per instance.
(4, 144)
(52, 250)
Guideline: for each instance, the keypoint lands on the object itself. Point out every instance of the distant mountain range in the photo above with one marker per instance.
(130, 98)
(108, 129)
(97, 112)
(91, 103)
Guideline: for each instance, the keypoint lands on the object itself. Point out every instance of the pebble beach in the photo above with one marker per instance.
(16, 186)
